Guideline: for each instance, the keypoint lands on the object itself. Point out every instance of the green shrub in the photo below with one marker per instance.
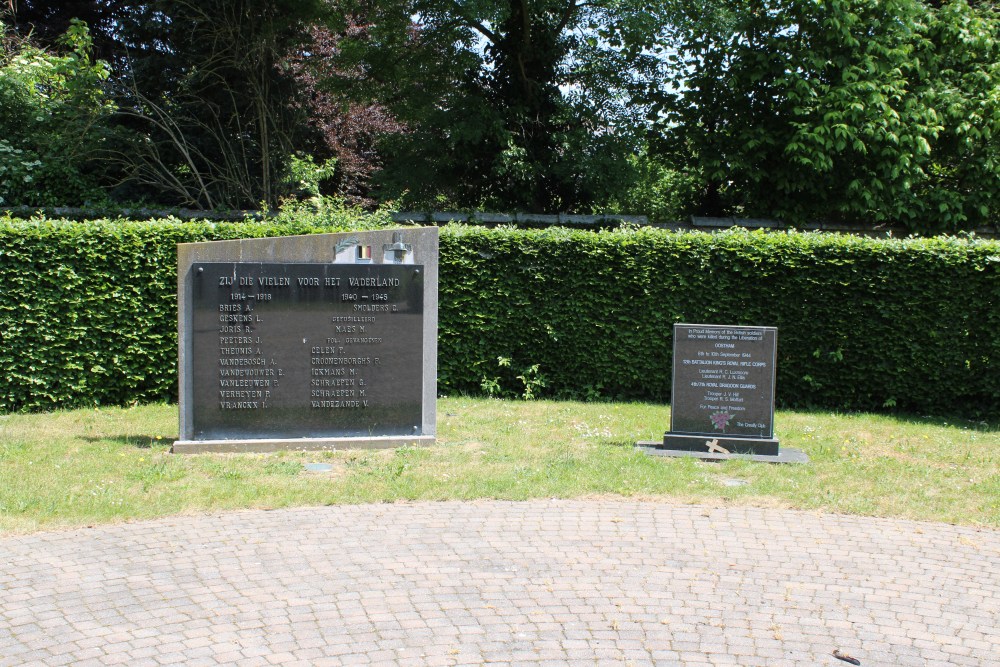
(863, 324)
(88, 311)
(53, 121)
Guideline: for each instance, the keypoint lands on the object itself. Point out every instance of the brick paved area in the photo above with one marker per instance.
(535, 583)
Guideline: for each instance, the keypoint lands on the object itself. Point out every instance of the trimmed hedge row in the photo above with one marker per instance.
(88, 312)
(863, 324)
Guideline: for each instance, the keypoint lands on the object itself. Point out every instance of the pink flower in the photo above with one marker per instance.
(720, 420)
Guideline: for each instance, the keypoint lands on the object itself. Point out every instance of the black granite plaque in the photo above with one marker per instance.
(723, 387)
(306, 350)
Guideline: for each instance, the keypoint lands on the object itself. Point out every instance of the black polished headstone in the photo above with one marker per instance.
(306, 350)
(723, 389)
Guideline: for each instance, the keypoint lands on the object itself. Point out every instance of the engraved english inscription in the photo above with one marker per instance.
(306, 350)
(723, 380)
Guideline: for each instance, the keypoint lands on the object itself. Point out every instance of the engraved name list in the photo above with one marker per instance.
(303, 349)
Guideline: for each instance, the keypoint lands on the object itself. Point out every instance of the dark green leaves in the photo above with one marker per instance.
(88, 311)
(877, 110)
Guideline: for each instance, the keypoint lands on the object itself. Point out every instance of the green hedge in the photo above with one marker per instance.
(863, 324)
(88, 312)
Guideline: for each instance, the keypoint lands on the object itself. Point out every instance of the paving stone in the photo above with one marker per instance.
(531, 583)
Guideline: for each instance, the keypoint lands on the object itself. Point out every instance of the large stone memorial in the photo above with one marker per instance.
(309, 342)
(722, 392)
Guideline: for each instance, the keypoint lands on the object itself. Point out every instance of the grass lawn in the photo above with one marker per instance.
(84, 467)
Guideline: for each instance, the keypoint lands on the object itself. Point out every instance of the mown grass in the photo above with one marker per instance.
(85, 467)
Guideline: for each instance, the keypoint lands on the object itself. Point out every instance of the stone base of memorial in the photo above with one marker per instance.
(782, 455)
(684, 442)
(317, 342)
(297, 444)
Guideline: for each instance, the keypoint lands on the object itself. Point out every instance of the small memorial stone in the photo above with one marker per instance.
(722, 397)
(723, 386)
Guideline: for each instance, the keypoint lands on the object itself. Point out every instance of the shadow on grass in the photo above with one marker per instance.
(978, 425)
(137, 441)
(982, 426)
(618, 442)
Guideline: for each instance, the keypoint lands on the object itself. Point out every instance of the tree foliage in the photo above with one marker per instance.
(220, 126)
(510, 104)
(869, 110)
(53, 118)
(349, 128)
(882, 110)
(203, 89)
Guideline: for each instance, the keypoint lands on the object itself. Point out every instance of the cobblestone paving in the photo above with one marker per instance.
(535, 583)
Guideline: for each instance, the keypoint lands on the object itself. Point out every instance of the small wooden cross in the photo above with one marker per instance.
(715, 448)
